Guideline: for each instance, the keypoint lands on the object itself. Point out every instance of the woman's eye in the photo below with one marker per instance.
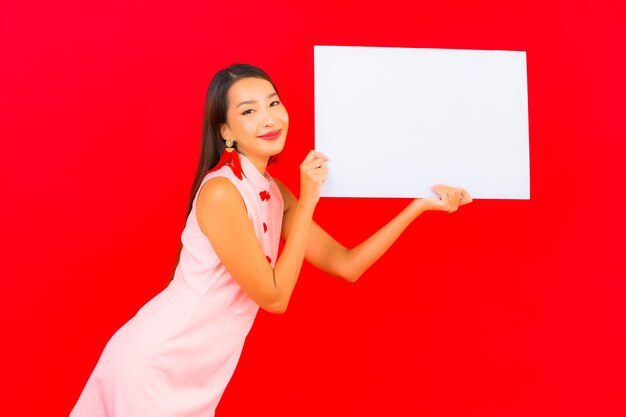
(274, 103)
(249, 111)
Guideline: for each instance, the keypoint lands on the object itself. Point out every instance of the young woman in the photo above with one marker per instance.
(176, 356)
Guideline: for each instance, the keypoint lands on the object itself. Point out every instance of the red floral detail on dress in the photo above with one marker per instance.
(264, 228)
(264, 195)
(268, 259)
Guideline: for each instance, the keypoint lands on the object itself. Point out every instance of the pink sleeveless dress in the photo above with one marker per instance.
(175, 357)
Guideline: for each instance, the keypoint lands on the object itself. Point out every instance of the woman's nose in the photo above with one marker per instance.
(269, 120)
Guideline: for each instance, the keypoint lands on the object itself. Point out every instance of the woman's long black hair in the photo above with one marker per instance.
(215, 110)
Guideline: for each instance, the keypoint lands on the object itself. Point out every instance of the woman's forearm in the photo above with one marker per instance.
(288, 266)
(361, 257)
(298, 218)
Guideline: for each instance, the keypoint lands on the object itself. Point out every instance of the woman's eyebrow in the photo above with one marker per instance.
(254, 101)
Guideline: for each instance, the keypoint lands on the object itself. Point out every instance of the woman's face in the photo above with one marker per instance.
(256, 119)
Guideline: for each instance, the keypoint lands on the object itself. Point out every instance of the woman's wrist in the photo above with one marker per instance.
(305, 207)
(418, 206)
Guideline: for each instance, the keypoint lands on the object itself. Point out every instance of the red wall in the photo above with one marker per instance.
(506, 308)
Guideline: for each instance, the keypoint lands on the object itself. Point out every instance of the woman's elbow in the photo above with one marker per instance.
(352, 278)
(346, 269)
(275, 309)
(349, 275)
(276, 306)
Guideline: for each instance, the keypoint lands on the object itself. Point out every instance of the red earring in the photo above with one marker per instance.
(230, 157)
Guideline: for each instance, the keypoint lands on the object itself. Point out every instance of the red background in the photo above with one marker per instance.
(505, 308)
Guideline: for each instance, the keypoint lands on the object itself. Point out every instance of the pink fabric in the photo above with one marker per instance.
(175, 357)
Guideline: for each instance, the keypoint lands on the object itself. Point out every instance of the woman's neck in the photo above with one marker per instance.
(260, 163)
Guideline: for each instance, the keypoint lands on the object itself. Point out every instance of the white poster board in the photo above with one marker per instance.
(395, 121)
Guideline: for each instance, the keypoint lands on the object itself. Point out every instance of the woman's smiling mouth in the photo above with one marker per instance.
(271, 135)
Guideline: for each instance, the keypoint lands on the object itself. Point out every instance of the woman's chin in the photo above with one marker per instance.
(277, 147)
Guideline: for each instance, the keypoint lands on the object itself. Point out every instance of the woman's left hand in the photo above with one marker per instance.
(449, 200)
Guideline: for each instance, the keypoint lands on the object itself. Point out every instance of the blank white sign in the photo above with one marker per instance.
(396, 121)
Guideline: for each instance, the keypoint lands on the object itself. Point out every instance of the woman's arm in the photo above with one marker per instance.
(325, 253)
(222, 217)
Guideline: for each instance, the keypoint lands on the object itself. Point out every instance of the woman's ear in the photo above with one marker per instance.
(225, 132)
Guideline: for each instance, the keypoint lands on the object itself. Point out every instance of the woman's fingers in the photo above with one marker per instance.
(451, 197)
(313, 154)
(314, 166)
(466, 198)
(315, 163)
(445, 202)
(452, 201)
(313, 173)
(319, 175)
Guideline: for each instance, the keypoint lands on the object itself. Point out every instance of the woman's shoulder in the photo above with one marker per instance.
(218, 191)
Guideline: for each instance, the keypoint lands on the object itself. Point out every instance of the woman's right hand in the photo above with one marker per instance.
(449, 200)
(313, 173)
